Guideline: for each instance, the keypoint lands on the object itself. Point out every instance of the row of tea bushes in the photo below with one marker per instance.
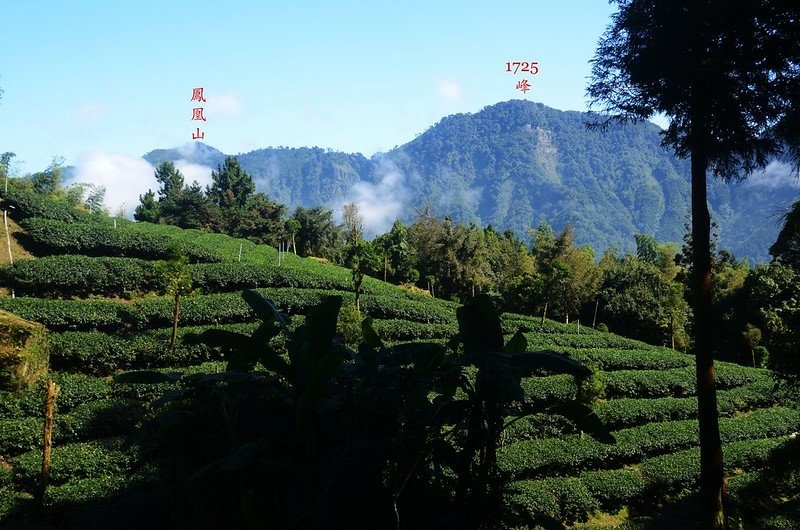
(572, 454)
(48, 237)
(572, 499)
(69, 275)
(631, 412)
(28, 203)
(221, 308)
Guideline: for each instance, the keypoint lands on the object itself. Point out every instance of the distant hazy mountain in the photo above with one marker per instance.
(515, 163)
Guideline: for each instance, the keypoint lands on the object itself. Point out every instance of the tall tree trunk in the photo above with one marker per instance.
(175, 315)
(294, 245)
(385, 265)
(711, 515)
(544, 313)
(594, 318)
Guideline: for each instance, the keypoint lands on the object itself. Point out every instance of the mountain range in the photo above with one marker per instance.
(516, 163)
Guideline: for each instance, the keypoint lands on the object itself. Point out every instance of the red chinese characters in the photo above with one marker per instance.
(197, 95)
(529, 67)
(197, 112)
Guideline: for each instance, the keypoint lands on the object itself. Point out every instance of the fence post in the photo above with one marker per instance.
(49, 406)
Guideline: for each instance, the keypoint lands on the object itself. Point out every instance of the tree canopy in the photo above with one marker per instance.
(728, 80)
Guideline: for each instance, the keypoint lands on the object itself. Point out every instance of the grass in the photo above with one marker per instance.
(17, 251)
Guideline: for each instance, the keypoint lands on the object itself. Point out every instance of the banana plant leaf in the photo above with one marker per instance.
(265, 309)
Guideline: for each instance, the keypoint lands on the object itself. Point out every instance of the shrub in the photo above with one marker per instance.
(571, 454)
(222, 308)
(614, 488)
(69, 275)
(349, 324)
(564, 499)
(18, 435)
(29, 203)
(78, 389)
(45, 236)
(69, 462)
(100, 419)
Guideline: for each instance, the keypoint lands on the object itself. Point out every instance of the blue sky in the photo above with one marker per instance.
(116, 77)
(101, 83)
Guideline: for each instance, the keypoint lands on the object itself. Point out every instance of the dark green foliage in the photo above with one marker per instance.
(231, 186)
(20, 434)
(637, 301)
(78, 389)
(628, 412)
(68, 275)
(610, 359)
(318, 234)
(100, 419)
(69, 462)
(224, 308)
(569, 454)
(614, 488)
(148, 209)
(786, 248)
(563, 499)
(374, 397)
(100, 239)
(28, 203)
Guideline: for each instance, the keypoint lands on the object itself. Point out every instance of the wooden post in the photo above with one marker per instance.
(240, 251)
(594, 318)
(544, 313)
(8, 237)
(175, 315)
(49, 405)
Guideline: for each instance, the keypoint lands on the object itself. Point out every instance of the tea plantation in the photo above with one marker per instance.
(94, 288)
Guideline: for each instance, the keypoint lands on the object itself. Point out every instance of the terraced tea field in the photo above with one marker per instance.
(92, 286)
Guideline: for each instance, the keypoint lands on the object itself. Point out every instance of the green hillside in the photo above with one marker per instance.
(95, 287)
(517, 162)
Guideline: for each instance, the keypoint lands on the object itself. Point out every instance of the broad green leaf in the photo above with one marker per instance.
(327, 367)
(516, 344)
(241, 361)
(243, 457)
(265, 332)
(586, 420)
(452, 412)
(320, 328)
(479, 325)
(147, 377)
(370, 337)
(264, 308)
(272, 361)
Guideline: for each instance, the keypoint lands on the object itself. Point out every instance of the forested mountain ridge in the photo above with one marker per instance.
(515, 163)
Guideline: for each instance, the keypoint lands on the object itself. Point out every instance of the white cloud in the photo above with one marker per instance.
(776, 175)
(125, 177)
(450, 90)
(187, 150)
(192, 172)
(379, 203)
